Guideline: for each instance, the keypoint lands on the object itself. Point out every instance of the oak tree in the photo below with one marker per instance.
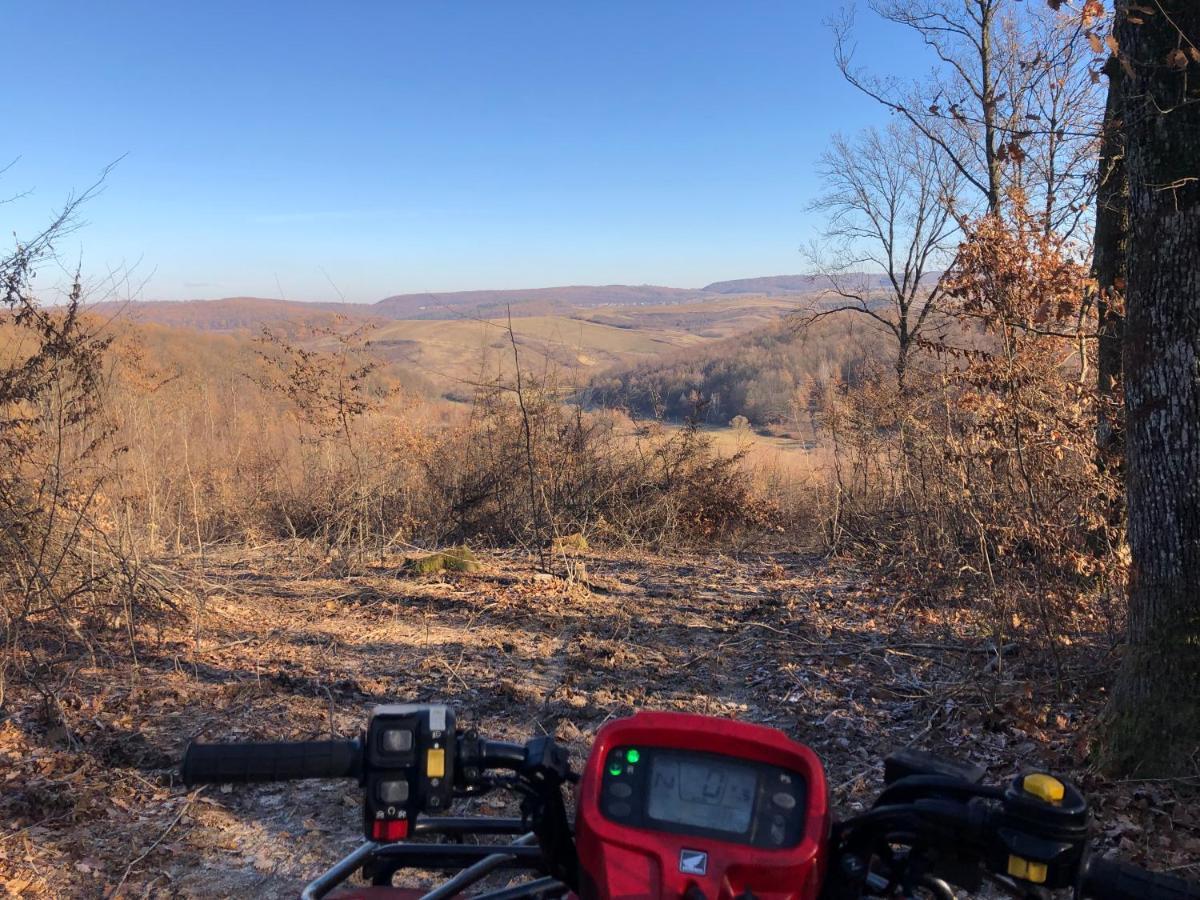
(1154, 720)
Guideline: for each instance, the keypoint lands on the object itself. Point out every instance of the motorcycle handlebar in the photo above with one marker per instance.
(500, 755)
(243, 763)
(1106, 879)
(1101, 879)
(255, 762)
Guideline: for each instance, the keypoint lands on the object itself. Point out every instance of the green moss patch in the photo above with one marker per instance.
(454, 559)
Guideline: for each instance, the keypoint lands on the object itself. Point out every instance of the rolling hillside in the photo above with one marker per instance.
(457, 339)
(768, 374)
(771, 285)
(463, 351)
(236, 313)
(708, 318)
(232, 314)
(532, 301)
(784, 285)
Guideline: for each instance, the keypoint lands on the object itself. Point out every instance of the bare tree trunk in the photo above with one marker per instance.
(987, 87)
(902, 366)
(1154, 718)
(1108, 261)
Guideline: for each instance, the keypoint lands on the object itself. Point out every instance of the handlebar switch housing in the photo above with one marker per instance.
(1042, 829)
(410, 767)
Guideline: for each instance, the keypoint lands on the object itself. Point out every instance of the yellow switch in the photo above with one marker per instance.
(1045, 787)
(1027, 870)
(435, 764)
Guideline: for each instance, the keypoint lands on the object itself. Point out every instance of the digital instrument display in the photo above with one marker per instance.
(705, 794)
(701, 792)
(679, 805)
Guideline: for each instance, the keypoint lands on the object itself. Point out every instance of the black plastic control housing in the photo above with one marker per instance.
(410, 755)
(1053, 834)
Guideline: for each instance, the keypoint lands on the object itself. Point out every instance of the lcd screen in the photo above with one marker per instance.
(701, 792)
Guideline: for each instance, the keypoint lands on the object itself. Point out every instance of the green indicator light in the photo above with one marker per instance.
(632, 756)
(614, 769)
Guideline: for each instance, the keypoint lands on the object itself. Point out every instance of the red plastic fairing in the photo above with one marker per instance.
(623, 862)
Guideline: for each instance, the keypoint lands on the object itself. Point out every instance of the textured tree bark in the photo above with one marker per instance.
(1108, 260)
(1153, 724)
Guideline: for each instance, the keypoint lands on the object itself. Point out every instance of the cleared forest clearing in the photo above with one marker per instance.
(283, 649)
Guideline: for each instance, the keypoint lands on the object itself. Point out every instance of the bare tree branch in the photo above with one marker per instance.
(886, 201)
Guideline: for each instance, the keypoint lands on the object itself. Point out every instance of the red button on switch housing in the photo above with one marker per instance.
(390, 830)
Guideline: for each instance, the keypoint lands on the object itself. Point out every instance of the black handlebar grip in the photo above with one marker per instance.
(240, 763)
(1107, 879)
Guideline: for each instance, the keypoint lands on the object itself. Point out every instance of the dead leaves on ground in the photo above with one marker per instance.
(852, 665)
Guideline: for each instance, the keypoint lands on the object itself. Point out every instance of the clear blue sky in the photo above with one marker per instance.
(410, 146)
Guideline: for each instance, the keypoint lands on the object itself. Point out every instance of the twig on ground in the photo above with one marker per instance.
(162, 837)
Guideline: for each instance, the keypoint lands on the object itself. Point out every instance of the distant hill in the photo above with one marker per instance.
(530, 301)
(655, 341)
(159, 353)
(682, 307)
(231, 314)
(768, 285)
(776, 285)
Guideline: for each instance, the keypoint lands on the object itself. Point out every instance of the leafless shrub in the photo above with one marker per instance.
(591, 476)
(985, 468)
(67, 573)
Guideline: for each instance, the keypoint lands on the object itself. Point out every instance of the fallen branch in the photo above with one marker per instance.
(129, 868)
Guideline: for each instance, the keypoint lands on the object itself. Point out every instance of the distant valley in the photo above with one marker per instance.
(463, 336)
(237, 313)
(641, 347)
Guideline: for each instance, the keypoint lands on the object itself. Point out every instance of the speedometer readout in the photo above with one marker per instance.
(705, 793)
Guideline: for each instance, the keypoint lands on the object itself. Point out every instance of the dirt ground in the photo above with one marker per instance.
(90, 805)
